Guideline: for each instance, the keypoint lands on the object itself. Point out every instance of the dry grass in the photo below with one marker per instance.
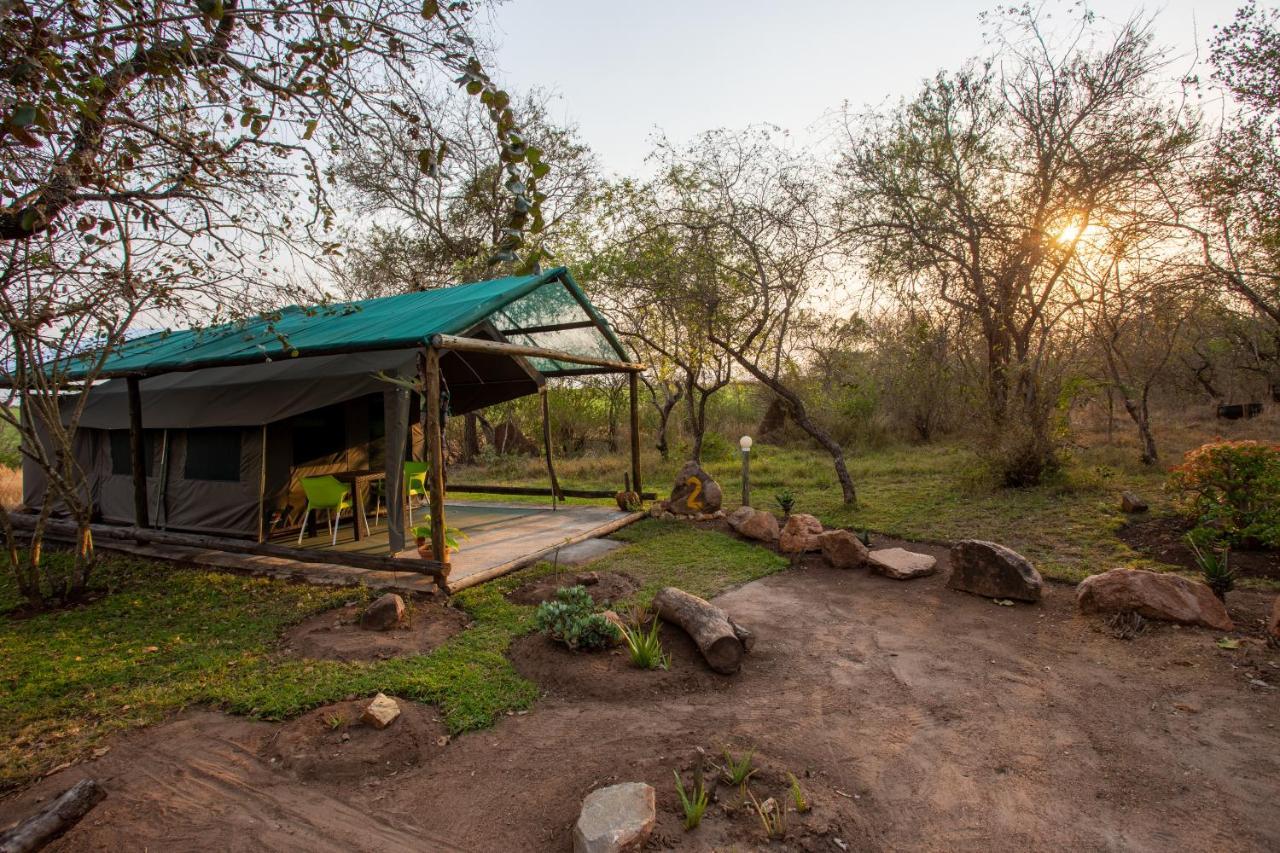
(10, 488)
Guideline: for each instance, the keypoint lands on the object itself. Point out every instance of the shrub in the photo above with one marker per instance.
(1215, 568)
(1232, 491)
(572, 619)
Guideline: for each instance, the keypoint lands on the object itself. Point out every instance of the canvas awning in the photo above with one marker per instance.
(546, 310)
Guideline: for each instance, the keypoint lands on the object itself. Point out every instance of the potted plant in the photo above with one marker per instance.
(422, 534)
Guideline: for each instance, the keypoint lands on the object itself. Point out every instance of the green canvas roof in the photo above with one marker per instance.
(533, 310)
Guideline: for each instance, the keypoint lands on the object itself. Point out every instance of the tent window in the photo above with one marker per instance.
(121, 464)
(319, 435)
(213, 454)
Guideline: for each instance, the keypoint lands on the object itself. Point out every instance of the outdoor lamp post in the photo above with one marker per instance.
(745, 444)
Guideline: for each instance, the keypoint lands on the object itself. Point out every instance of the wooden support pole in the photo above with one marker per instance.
(262, 489)
(635, 434)
(137, 462)
(546, 442)
(435, 455)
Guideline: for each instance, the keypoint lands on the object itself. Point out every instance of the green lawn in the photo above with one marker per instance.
(931, 492)
(158, 639)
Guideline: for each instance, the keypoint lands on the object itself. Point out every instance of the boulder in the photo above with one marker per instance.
(754, 524)
(1153, 595)
(1129, 502)
(382, 712)
(615, 819)
(1273, 626)
(901, 564)
(799, 534)
(842, 549)
(985, 568)
(694, 491)
(385, 612)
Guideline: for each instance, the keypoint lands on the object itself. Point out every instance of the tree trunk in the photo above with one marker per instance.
(54, 819)
(695, 426)
(795, 408)
(1139, 412)
(721, 641)
(470, 438)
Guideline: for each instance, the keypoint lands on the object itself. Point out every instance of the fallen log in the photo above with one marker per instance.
(722, 641)
(54, 819)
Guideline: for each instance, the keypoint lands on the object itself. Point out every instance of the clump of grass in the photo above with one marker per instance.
(786, 501)
(738, 770)
(1215, 569)
(645, 648)
(1126, 624)
(335, 722)
(693, 802)
(796, 793)
(773, 817)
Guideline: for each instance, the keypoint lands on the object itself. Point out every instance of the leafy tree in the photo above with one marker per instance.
(975, 193)
(738, 231)
(443, 222)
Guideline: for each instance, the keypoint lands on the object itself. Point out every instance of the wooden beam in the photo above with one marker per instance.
(635, 433)
(435, 455)
(137, 464)
(553, 327)
(453, 342)
(530, 559)
(262, 489)
(375, 562)
(481, 489)
(546, 443)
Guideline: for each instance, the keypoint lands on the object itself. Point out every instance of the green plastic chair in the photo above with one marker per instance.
(415, 483)
(329, 494)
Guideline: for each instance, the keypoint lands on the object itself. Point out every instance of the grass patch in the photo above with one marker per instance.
(157, 639)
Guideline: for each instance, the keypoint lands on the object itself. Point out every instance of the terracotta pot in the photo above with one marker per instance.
(426, 552)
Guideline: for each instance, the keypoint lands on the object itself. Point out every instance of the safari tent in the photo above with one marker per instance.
(210, 431)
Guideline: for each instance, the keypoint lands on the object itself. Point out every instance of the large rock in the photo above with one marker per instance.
(385, 612)
(382, 712)
(1129, 502)
(901, 564)
(1153, 595)
(754, 524)
(985, 568)
(694, 491)
(1273, 626)
(842, 549)
(799, 534)
(615, 819)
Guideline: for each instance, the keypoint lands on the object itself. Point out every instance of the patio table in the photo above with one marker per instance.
(359, 478)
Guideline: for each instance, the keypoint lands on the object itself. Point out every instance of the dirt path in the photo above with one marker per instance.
(915, 717)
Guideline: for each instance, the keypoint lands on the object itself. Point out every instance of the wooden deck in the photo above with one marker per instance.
(501, 537)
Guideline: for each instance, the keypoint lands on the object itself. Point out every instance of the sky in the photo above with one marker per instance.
(623, 70)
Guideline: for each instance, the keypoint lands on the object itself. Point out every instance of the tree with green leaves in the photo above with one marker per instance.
(435, 228)
(975, 193)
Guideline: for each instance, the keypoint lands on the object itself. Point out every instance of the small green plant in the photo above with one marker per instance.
(335, 722)
(1214, 568)
(773, 817)
(786, 501)
(797, 795)
(572, 619)
(452, 535)
(864, 536)
(738, 770)
(693, 802)
(645, 648)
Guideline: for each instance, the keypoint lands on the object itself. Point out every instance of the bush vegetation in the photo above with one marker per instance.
(1232, 491)
(572, 618)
